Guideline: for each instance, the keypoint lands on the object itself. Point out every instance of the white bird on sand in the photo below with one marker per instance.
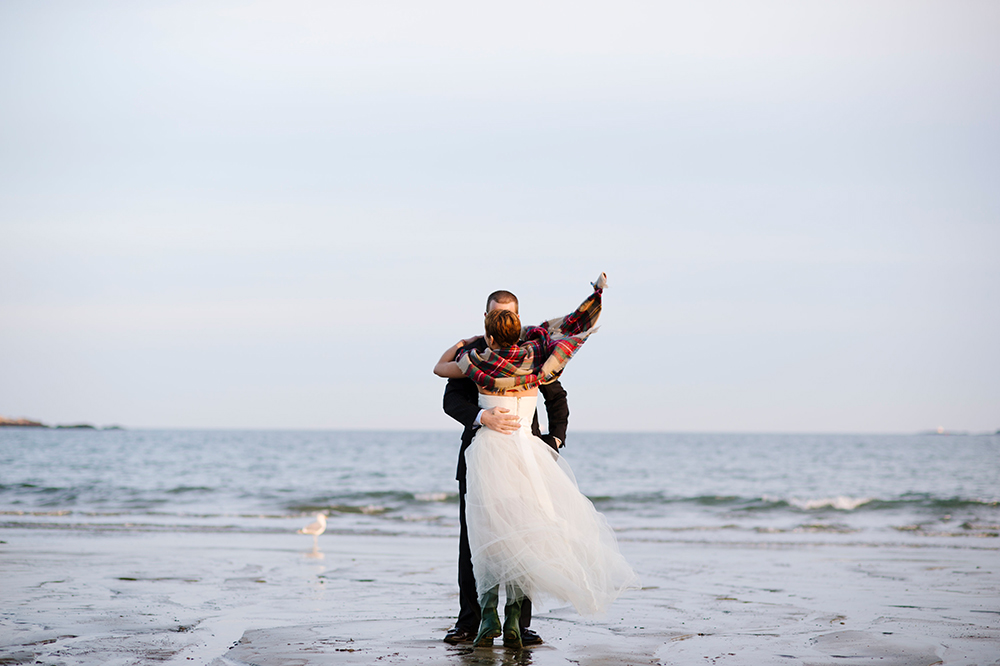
(315, 528)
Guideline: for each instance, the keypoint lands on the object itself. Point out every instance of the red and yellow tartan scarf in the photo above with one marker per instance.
(542, 353)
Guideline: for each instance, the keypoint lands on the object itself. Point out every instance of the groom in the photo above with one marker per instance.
(461, 402)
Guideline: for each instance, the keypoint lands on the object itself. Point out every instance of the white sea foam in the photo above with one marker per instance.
(840, 502)
(431, 497)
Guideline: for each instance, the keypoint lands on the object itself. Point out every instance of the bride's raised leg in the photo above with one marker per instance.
(512, 618)
(489, 625)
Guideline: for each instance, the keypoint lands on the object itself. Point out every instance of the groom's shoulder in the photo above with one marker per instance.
(477, 344)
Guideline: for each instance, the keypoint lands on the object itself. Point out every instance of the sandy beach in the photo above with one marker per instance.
(118, 596)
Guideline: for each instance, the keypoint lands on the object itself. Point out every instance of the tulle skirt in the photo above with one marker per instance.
(530, 527)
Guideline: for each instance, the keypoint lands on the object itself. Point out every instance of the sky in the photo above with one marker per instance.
(280, 214)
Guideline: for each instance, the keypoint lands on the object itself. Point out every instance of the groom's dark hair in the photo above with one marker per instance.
(501, 296)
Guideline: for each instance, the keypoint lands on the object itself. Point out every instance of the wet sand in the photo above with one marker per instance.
(92, 596)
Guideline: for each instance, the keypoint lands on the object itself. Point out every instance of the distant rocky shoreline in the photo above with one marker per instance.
(28, 423)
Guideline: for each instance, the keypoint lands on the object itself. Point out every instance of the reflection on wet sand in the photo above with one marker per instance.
(494, 656)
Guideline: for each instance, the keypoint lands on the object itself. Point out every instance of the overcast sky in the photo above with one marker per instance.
(279, 214)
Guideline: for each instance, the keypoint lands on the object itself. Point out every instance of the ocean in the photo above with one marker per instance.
(910, 490)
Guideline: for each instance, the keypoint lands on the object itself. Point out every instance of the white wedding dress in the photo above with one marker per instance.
(529, 524)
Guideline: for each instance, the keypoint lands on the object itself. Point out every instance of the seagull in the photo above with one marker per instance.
(316, 528)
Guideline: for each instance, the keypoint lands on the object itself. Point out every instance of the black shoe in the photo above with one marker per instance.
(457, 636)
(529, 638)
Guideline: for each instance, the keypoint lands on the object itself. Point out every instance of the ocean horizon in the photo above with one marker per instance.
(916, 489)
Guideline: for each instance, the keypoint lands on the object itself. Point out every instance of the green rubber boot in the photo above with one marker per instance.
(489, 625)
(512, 621)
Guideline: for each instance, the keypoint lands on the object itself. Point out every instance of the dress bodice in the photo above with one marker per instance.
(523, 406)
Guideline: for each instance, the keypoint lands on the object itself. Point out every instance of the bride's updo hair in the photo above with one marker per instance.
(504, 327)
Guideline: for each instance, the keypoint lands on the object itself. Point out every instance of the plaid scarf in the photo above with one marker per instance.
(542, 353)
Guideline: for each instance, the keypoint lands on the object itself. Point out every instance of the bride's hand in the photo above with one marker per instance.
(466, 341)
(447, 367)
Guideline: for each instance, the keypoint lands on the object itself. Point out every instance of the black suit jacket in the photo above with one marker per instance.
(461, 402)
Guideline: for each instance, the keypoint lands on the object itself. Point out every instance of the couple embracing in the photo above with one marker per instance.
(526, 528)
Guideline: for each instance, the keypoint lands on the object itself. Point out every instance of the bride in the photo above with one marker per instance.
(530, 528)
